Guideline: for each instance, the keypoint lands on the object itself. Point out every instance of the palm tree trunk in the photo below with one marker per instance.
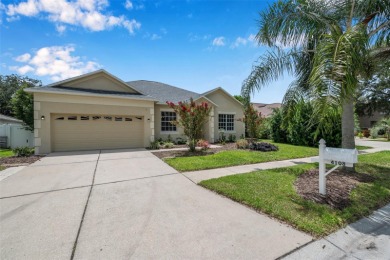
(348, 127)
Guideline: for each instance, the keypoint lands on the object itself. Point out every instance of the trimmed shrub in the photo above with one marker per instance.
(180, 140)
(23, 151)
(154, 145)
(264, 147)
(168, 145)
(242, 144)
(231, 138)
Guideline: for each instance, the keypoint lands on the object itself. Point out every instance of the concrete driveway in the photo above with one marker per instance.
(123, 204)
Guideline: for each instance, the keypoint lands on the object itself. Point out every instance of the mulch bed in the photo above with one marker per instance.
(339, 185)
(18, 161)
(171, 154)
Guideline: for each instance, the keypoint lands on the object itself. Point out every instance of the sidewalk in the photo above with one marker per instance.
(198, 176)
(368, 238)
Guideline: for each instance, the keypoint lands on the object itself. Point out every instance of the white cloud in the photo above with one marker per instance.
(238, 42)
(23, 58)
(56, 62)
(85, 13)
(28, 8)
(219, 41)
(140, 7)
(129, 5)
(252, 37)
(60, 28)
(155, 37)
(194, 37)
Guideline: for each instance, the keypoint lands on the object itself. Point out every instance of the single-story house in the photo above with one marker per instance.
(368, 121)
(100, 111)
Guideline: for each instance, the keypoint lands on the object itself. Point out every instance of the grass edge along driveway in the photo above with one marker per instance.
(272, 192)
(239, 157)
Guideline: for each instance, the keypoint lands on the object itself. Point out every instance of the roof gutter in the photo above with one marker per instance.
(36, 90)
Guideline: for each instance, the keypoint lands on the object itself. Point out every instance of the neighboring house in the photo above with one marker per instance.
(367, 122)
(13, 134)
(266, 109)
(99, 111)
(9, 120)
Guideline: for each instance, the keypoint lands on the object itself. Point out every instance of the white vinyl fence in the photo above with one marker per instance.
(17, 136)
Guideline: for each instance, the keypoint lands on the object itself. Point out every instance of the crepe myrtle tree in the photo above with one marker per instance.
(191, 117)
(253, 120)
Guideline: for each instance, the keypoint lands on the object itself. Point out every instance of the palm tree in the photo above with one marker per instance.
(328, 45)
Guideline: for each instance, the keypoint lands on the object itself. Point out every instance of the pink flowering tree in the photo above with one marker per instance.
(191, 117)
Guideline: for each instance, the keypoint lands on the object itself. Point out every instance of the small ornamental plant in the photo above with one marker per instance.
(203, 144)
(191, 117)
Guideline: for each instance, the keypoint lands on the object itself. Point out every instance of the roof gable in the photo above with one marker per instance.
(219, 89)
(99, 80)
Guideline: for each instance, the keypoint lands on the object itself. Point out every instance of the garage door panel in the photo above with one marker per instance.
(70, 135)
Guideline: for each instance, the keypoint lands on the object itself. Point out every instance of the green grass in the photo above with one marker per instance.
(6, 153)
(2, 168)
(362, 147)
(239, 157)
(378, 139)
(273, 192)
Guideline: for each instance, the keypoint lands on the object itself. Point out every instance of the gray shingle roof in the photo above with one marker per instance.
(162, 92)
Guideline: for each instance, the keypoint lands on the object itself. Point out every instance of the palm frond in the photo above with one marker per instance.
(269, 67)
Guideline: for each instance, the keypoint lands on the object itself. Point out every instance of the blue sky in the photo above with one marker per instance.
(196, 45)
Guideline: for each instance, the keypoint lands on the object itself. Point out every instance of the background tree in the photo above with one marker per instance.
(23, 107)
(9, 84)
(331, 44)
(192, 118)
(374, 93)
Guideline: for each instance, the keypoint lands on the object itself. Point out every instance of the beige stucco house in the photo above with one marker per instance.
(99, 111)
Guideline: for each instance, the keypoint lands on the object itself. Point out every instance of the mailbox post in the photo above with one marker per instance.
(336, 156)
(322, 167)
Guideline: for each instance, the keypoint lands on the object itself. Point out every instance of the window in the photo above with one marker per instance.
(108, 118)
(226, 122)
(72, 117)
(60, 118)
(129, 119)
(166, 119)
(96, 117)
(84, 118)
(118, 118)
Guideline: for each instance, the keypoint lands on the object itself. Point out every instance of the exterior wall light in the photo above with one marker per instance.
(42, 117)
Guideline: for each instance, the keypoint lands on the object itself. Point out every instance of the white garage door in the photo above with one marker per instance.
(72, 132)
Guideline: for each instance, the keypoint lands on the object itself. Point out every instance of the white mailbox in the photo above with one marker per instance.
(335, 156)
(339, 156)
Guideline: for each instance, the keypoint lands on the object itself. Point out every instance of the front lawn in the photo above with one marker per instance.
(363, 147)
(6, 153)
(239, 157)
(378, 139)
(273, 192)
